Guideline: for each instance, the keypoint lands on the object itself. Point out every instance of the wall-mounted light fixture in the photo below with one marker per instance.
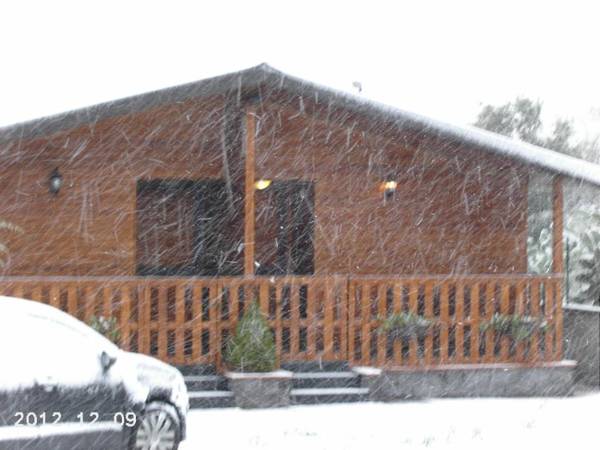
(388, 188)
(262, 184)
(55, 181)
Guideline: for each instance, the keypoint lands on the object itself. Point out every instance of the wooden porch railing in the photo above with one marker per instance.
(457, 306)
(188, 321)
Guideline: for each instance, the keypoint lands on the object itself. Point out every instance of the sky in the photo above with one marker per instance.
(442, 59)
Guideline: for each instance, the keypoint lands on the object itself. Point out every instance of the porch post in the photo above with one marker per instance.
(249, 142)
(557, 226)
(557, 262)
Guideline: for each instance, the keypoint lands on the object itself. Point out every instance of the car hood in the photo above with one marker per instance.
(146, 376)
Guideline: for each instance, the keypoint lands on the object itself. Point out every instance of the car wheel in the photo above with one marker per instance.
(158, 428)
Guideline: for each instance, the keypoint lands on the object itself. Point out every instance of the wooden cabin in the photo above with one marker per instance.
(172, 210)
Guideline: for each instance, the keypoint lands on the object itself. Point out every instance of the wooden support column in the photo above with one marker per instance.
(557, 267)
(557, 226)
(249, 143)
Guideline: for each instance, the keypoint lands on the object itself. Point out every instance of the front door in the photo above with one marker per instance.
(285, 223)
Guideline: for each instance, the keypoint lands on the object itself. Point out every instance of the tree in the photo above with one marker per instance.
(521, 119)
(590, 277)
(561, 136)
(588, 149)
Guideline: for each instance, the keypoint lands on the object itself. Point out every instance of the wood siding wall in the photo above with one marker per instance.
(456, 209)
(89, 227)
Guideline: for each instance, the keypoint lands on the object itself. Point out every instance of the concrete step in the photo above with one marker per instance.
(205, 383)
(197, 369)
(329, 395)
(211, 399)
(310, 380)
(316, 366)
(308, 388)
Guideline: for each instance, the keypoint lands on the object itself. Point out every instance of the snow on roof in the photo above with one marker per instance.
(266, 76)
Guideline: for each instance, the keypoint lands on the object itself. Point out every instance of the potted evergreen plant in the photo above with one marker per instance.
(106, 326)
(251, 359)
(519, 328)
(4, 225)
(405, 326)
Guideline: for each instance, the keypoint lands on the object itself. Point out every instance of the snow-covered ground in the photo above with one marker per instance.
(482, 424)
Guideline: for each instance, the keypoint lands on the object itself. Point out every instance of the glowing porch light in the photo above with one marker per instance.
(389, 185)
(262, 184)
(388, 188)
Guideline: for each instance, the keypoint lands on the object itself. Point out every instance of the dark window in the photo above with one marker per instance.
(285, 224)
(184, 227)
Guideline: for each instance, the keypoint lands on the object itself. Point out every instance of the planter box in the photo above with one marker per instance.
(260, 390)
(546, 379)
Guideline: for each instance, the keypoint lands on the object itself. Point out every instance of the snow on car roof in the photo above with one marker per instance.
(265, 76)
(15, 314)
(15, 304)
(9, 306)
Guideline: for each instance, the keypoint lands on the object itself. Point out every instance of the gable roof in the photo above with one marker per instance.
(266, 76)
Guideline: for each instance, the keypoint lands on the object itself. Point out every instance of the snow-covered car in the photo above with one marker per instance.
(63, 385)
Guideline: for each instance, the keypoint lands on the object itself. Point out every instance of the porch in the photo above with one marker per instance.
(187, 321)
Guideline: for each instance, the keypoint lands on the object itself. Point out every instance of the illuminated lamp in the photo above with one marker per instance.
(55, 181)
(262, 184)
